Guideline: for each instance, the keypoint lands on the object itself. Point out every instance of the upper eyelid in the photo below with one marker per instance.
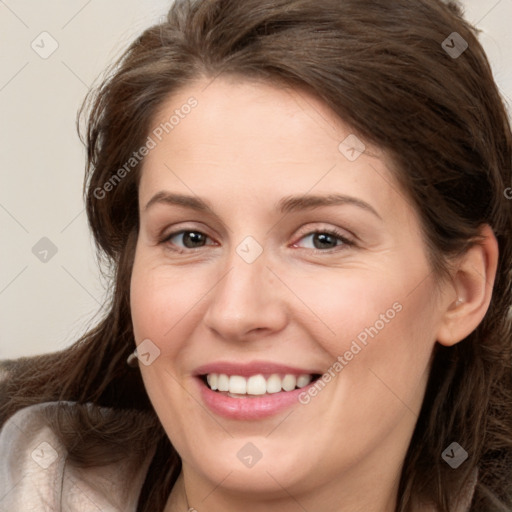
(302, 232)
(339, 232)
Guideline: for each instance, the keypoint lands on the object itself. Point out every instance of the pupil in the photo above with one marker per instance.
(193, 237)
(325, 238)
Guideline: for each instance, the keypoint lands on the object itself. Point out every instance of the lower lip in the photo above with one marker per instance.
(254, 408)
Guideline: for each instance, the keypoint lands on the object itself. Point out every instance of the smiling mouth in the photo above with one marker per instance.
(237, 386)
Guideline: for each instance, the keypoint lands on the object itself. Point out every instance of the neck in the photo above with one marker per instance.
(178, 501)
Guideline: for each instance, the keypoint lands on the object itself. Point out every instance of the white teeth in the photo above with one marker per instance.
(212, 379)
(256, 384)
(302, 380)
(274, 384)
(289, 382)
(223, 382)
(237, 385)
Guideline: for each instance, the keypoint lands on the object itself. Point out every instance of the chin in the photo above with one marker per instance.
(255, 467)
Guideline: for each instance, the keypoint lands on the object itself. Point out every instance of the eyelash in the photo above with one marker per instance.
(332, 232)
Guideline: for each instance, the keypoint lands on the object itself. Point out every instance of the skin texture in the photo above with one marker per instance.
(244, 147)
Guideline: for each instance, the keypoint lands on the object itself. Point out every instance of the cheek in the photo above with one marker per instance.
(359, 306)
(162, 309)
(161, 299)
(385, 359)
(378, 331)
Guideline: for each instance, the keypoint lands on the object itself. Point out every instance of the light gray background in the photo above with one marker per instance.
(46, 306)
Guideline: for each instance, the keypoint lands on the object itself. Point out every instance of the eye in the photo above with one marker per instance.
(326, 239)
(322, 240)
(190, 239)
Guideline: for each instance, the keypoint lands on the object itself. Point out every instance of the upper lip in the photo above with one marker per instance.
(252, 368)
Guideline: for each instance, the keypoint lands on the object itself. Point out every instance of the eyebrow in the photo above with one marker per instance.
(287, 204)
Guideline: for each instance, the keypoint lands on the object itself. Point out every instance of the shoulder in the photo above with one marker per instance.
(31, 462)
(36, 474)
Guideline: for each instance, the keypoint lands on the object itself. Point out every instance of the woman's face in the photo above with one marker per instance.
(268, 254)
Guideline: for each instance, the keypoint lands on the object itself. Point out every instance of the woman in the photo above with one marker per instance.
(303, 205)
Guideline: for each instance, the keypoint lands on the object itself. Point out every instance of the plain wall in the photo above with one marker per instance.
(50, 287)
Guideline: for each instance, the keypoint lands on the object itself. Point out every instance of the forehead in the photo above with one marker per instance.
(244, 141)
(263, 115)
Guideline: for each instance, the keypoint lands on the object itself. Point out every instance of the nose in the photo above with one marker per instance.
(247, 299)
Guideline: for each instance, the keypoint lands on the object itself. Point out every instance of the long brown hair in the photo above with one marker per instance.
(382, 68)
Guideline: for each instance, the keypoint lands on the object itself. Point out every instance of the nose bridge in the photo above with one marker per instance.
(245, 297)
(247, 264)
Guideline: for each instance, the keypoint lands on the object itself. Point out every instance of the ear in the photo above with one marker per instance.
(472, 280)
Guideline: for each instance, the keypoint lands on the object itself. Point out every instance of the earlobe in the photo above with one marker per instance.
(473, 281)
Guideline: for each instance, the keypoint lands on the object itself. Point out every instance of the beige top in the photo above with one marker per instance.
(35, 475)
